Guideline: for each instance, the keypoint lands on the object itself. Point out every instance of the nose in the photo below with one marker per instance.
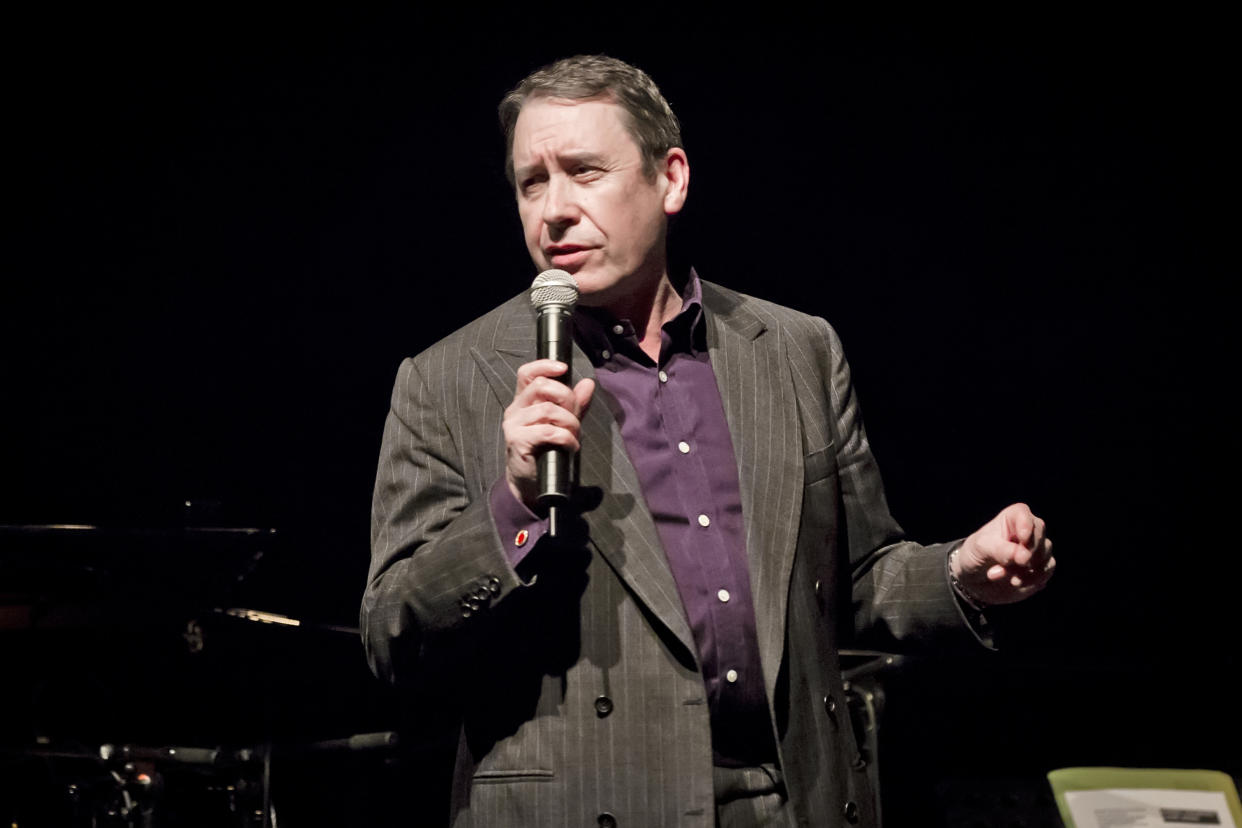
(560, 204)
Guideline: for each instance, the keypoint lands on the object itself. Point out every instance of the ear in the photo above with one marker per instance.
(676, 175)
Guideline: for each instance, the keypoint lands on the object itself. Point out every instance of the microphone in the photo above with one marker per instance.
(553, 295)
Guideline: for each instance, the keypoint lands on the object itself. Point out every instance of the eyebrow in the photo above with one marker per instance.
(520, 173)
(592, 158)
(567, 159)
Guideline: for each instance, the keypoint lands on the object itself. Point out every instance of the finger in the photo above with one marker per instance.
(530, 371)
(530, 409)
(546, 435)
(519, 421)
(1043, 575)
(1040, 555)
(1020, 523)
(584, 391)
(1037, 533)
(1007, 553)
(1034, 581)
(529, 440)
(1021, 555)
(545, 413)
(543, 388)
(1029, 536)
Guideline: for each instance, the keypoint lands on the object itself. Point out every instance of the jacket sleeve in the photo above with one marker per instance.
(901, 591)
(437, 564)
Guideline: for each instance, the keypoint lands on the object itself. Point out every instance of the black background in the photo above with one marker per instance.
(225, 232)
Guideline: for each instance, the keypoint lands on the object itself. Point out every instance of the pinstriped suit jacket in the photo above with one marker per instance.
(519, 676)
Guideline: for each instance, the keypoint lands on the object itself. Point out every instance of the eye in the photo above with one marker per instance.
(531, 183)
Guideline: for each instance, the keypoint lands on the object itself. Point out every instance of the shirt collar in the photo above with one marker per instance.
(598, 331)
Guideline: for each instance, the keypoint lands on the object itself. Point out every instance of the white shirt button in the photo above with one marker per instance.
(663, 377)
(618, 330)
(683, 447)
(731, 676)
(605, 354)
(704, 520)
(723, 595)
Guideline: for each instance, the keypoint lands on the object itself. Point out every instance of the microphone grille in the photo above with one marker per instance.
(554, 287)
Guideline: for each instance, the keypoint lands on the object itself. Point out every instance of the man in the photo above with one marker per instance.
(674, 660)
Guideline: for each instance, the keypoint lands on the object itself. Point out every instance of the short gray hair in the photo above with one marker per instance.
(648, 117)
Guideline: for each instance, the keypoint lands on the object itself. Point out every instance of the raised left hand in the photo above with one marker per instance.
(1008, 559)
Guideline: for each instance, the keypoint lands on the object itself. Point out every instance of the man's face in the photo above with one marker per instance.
(586, 205)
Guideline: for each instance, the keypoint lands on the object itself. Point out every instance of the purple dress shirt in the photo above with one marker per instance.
(673, 424)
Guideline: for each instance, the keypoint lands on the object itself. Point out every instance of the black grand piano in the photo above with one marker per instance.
(155, 677)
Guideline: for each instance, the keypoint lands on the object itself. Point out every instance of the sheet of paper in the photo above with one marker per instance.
(1148, 808)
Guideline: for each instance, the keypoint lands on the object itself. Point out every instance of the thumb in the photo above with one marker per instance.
(584, 391)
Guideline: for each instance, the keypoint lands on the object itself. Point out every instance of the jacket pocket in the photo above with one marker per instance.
(513, 775)
(820, 464)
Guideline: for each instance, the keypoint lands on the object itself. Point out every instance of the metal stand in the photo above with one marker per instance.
(864, 693)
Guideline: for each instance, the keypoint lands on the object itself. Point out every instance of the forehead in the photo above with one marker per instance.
(554, 126)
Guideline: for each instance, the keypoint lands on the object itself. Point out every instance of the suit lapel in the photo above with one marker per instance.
(621, 527)
(760, 405)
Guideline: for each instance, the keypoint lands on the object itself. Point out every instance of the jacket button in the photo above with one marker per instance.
(851, 811)
(859, 763)
(607, 820)
(830, 705)
(603, 706)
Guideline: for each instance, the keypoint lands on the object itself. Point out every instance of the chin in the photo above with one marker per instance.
(593, 293)
(591, 300)
(587, 285)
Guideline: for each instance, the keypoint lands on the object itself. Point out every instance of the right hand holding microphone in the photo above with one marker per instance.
(544, 413)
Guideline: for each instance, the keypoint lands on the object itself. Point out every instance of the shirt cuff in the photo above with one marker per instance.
(519, 528)
(971, 610)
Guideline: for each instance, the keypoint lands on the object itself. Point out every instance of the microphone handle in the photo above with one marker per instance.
(555, 465)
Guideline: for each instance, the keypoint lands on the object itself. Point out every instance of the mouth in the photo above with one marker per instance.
(566, 256)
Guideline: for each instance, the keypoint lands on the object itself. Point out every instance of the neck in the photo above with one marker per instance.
(648, 309)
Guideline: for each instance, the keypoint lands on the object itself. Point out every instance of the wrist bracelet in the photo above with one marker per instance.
(960, 588)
